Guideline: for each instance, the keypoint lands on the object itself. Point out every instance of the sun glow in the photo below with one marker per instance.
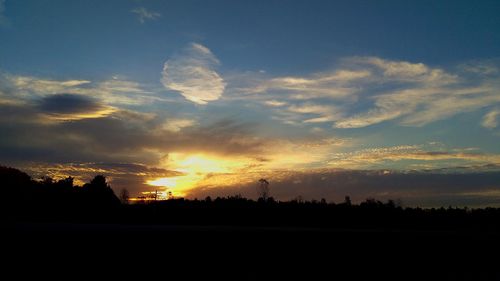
(195, 167)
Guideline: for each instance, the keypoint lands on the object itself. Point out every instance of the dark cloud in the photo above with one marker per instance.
(127, 146)
(427, 189)
(122, 137)
(69, 103)
(130, 138)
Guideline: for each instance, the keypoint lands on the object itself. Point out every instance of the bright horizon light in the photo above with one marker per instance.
(195, 168)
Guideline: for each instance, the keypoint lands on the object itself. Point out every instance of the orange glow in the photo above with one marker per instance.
(196, 167)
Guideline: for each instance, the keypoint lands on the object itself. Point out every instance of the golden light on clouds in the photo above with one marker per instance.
(211, 170)
(195, 168)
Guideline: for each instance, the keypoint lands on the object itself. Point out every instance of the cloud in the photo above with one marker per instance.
(192, 74)
(72, 107)
(320, 85)
(144, 14)
(114, 91)
(480, 67)
(275, 103)
(122, 136)
(432, 155)
(416, 94)
(325, 113)
(371, 117)
(177, 124)
(404, 71)
(369, 90)
(490, 120)
(27, 86)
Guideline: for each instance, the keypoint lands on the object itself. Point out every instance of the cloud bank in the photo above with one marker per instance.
(135, 134)
(423, 189)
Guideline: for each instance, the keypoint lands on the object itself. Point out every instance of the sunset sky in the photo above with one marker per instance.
(384, 99)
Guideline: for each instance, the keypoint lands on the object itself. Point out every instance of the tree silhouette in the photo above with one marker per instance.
(347, 201)
(124, 196)
(99, 193)
(263, 189)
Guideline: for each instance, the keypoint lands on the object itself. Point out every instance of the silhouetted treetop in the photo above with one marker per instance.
(99, 192)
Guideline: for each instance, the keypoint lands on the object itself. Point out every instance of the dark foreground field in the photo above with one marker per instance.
(189, 252)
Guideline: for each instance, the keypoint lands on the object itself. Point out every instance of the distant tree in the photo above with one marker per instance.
(124, 196)
(47, 181)
(391, 204)
(64, 185)
(263, 189)
(347, 201)
(298, 199)
(399, 203)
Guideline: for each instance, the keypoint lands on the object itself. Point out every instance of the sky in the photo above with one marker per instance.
(371, 99)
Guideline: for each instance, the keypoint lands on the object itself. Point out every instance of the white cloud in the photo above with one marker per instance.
(371, 117)
(275, 103)
(113, 91)
(44, 85)
(431, 155)
(310, 108)
(404, 71)
(144, 14)
(177, 124)
(325, 113)
(490, 120)
(321, 85)
(371, 90)
(192, 74)
(418, 95)
(480, 67)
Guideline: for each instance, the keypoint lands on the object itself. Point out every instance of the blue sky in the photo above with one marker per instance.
(285, 37)
(255, 87)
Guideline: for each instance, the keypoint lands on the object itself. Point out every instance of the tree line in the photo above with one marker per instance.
(47, 199)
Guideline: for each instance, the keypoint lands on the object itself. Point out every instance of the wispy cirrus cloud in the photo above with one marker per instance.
(432, 155)
(490, 120)
(114, 91)
(177, 124)
(144, 14)
(317, 113)
(275, 103)
(333, 85)
(192, 74)
(371, 90)
(415, 94)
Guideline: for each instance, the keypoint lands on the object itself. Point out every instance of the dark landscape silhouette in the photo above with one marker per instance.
(60, 200)
(298, 239)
